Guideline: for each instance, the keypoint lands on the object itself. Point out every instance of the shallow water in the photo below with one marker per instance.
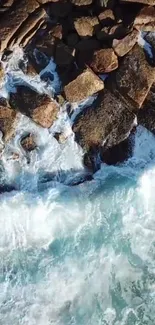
(82, 255)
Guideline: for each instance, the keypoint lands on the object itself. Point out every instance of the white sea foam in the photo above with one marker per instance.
(80, 255)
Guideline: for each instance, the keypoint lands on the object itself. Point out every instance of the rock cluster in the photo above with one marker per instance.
(86, 39)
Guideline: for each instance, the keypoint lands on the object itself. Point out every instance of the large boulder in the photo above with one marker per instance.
(40, 107)
(85, 85)
(135, 76)
(8, 119)
(106, 124)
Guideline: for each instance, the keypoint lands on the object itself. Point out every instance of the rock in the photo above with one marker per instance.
(123, 46)
(40, 107)
(145, 16)
(107, 17)
(106, 123)
(81, 2)
(1, 72)
(104, 61)
(85, 85)
(146, 28)
(146, 115)
(145, 2)
(120, 152)
(60, 137)
(86, 26)
(8, 120)
(28, 29)
(28, 142)
(108, 33)
(14, 18)
(64, 55)
(135, 76)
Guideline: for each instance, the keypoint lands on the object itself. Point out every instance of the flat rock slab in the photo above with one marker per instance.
(106, 124)
(40, 107)
(135, 76)
(85, 85)
(8, 119)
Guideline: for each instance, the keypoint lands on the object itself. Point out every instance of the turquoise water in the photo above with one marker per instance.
(82, 255)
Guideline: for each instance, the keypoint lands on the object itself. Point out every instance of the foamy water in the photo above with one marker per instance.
(81, 255)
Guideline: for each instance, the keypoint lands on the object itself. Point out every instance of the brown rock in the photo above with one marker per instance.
(1, 72)
(60, 137)
(135, 76)
(40, 107)
(86, 26)
(104, 61)
(106, 124)
(146, 115)
(64, 55)
(28, 28)
(13, 19)
(108, 33)
(145, 16)
(8, 119)
(146, 28)
(85, 85)
(123, 46)
(81, 2)
(106, 17)
(28, 142)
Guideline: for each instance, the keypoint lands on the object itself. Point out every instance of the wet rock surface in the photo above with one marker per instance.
(84, 39)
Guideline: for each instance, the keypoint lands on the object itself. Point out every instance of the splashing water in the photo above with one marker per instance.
(80, 255)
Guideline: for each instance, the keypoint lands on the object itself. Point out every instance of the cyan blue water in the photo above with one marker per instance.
(82, 255)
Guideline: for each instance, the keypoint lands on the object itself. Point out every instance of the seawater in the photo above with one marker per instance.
(76, 255)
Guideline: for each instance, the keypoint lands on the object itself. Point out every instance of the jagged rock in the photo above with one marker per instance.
(86, 26)
(40, 107)
(8, 119)
(146, 115)
(104, 61)
(81, 2)
(64, 55)
(28, 142)
(145, 2)
(86, 84)
(106, 123)
(13, 19)
(107, 17)
(135, 76)
(123, 46)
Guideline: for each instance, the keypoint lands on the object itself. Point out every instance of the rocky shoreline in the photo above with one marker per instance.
(101, 48)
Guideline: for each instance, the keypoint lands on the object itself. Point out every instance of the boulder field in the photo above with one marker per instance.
(101, 48)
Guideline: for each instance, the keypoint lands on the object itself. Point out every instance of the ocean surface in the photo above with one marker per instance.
(75, 255)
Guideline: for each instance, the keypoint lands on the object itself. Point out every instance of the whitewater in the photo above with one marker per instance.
(74, 255)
